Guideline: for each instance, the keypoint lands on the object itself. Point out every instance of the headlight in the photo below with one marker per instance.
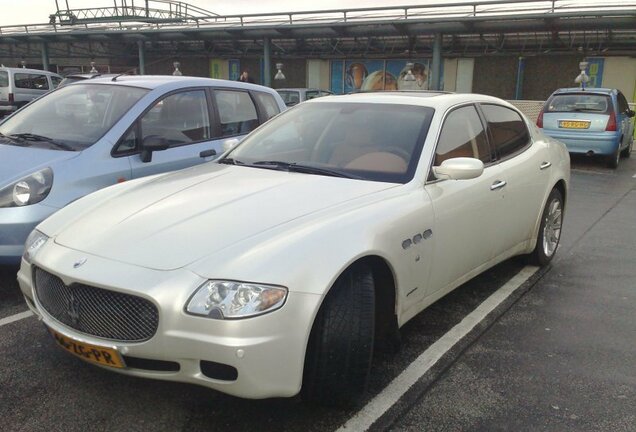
(28, 190)
(33, 244)
(228, 299)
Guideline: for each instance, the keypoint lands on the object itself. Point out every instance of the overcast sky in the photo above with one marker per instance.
(38, 11)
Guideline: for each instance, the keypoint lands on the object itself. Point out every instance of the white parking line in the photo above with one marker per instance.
(14, 318)
(634, 176)
(372, 411)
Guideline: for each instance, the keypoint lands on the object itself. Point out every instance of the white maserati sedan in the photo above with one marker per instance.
(278, 268)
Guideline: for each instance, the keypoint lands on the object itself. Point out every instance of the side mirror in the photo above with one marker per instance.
(461, 168)
(230, 144)
(152, 143)
(630, 113)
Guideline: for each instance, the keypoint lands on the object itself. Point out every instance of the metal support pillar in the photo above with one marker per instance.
(436, 67)
(142, 58)
(45, 56)
(267, 62)
(521, 66)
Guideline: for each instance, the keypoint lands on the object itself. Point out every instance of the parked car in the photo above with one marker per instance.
(75, 77)
(19, 86)
(98, 132)
(294, 96)
(277, 268)
(593, 121)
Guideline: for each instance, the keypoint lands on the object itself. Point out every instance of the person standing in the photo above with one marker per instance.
(245, 77)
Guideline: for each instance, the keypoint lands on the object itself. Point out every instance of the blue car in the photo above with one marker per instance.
(99, 132)
(591, 121)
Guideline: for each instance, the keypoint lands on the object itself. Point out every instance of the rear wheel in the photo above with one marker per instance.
(628, 151)
(549, 230)
(613, 159)
(340, 348)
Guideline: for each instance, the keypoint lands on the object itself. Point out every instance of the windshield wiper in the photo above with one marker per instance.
(35, 137)
(230, 161)
(301, 168)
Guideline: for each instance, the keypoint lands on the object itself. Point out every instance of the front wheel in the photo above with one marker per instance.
(340, 349)
(549, 230)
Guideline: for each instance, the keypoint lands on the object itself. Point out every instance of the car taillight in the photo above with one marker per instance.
(611, 123)
(540, 119)
(11, 98)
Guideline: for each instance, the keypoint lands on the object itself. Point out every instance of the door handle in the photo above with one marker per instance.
(498, 185)
(207, 153)
(545, 165)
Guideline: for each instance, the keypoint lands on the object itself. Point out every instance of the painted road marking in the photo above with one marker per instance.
(380, 404)
(14, 318)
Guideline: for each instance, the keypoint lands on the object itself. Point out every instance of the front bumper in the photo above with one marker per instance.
(600, 143)
(16, 223)
(267, 351)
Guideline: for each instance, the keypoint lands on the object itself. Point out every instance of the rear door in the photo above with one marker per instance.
(525, 169)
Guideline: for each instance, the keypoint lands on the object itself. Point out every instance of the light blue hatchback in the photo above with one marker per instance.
(593, 121)
(99, 132)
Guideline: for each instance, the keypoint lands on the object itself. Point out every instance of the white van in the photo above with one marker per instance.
(19, 86)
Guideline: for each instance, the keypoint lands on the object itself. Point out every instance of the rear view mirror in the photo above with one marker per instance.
(630, 113)
(461, 168)
(152, 143)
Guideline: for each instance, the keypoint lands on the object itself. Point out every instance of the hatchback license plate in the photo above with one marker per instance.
(571, 124)
(89, 352)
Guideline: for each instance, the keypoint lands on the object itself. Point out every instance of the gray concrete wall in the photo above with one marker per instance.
(495, 76)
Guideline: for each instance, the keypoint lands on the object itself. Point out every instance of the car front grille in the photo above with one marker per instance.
(96, 311)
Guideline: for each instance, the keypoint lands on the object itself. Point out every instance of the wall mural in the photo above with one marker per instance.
(364, 75)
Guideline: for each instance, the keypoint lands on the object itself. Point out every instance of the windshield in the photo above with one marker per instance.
(380, 142)
(71, 118)
(579, 102)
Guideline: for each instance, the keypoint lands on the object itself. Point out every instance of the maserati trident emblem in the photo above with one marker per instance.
(79, 263)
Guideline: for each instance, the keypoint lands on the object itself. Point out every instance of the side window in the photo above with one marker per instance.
(507, 130)
(4, 79)
(31, 81)
(180, 118)
(268, 103)
(310, 94)
(237, 112)
(128, 143)
(462, 135)
(56, 81)
(623, 106)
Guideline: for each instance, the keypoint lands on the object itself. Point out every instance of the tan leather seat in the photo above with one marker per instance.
(379, 161)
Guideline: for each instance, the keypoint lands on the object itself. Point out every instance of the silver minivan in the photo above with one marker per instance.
(19, 86)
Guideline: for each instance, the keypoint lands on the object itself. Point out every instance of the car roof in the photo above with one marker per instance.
(152, 82)
(25, 70)
(433, 99)
(599, 90)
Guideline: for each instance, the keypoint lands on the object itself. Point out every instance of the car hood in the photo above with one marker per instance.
(17, 162)
(181, 217)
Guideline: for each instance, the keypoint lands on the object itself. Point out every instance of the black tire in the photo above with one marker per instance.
(542, 255)
(627, 152)
(340, 349)
(613, 159)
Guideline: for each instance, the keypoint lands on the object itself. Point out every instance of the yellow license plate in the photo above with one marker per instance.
(89, 352)
(571, 124)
